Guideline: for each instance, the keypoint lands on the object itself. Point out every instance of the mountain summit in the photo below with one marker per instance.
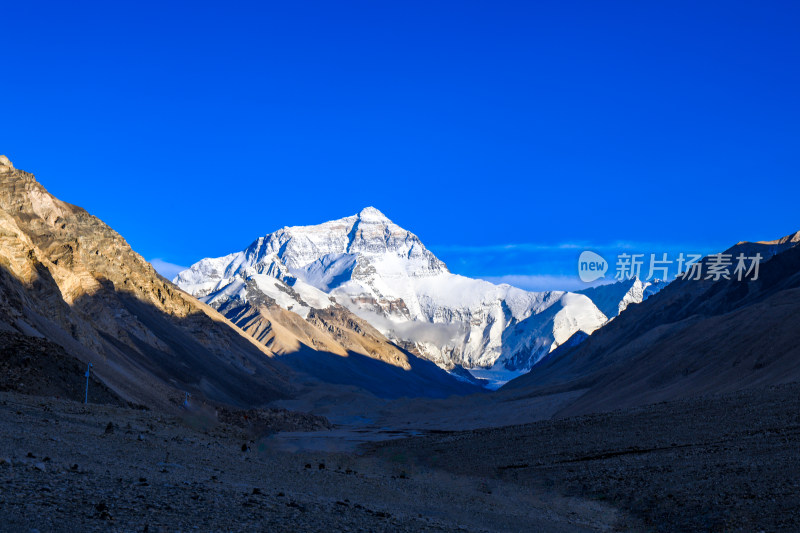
(372, 213)
(320, 254)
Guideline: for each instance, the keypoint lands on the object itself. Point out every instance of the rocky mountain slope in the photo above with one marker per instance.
(325, 340)
(69, 279)
(384, 275)
(691, 338)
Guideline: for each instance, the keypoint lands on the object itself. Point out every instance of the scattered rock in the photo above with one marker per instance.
(102, 512)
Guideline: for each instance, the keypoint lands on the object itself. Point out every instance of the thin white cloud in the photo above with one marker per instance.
(578, 245)
(544, 282)
(167, 269)
(413, 331)
(525, 247)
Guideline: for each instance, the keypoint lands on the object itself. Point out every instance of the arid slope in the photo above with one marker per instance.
(692, 338)
(66, 276)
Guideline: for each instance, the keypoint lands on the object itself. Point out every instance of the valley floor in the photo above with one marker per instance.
(718, 463)
(69, 467)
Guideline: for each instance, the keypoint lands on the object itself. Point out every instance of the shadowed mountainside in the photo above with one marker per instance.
(68, 277)
(36, 366)
(692, 338)
(335, 346)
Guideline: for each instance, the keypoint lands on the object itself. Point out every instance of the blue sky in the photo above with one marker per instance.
(497, 131)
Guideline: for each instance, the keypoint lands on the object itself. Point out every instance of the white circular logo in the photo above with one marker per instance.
(591, 266)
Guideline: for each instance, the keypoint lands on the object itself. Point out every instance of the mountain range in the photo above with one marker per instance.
(74, 290)
(365, 269)
(360, 306)
(694, 337)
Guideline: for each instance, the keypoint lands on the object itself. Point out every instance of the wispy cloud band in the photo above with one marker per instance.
(540, 247)
(166, 269)
(543, 282)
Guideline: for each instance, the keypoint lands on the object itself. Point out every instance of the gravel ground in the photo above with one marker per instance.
(723, 463)
(69, 467)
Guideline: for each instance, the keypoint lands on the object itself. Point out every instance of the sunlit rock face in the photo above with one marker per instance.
(68, 277)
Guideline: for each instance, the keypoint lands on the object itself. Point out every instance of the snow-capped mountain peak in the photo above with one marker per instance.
(386, 276)
(324, 251)
(371, 213)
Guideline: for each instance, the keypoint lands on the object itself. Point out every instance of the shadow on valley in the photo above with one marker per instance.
(147, 356)
(143, 354)
(723, 462)
(691, 338)
(424, 379)
(38, 367)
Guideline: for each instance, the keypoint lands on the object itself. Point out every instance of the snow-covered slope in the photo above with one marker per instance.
(614, 298)
(386, 276)
(539, 334)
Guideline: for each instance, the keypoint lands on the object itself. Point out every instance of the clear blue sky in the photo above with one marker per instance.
(192, 128)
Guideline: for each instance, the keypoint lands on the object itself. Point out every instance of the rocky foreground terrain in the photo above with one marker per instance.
(726, 463)
(719, 463)
(65, 466)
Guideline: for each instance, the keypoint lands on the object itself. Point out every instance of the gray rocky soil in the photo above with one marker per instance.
(65, 466)
(717, 463)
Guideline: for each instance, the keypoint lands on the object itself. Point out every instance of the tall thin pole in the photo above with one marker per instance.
(86, 397)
